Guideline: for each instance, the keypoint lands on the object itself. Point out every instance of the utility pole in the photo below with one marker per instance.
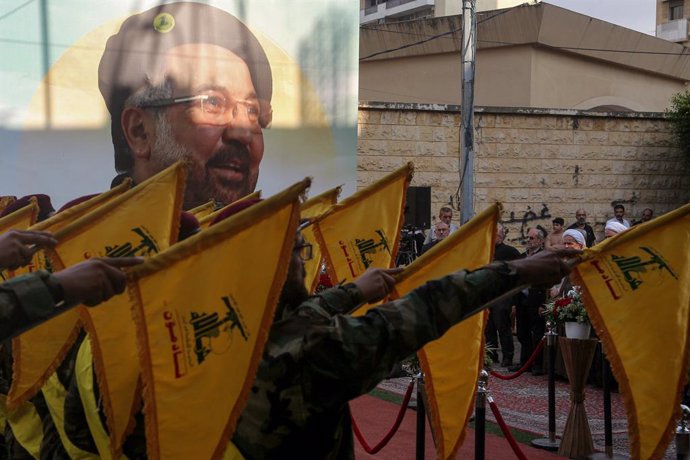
(469, 52)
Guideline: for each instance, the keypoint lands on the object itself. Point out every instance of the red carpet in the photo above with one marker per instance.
(375, 417)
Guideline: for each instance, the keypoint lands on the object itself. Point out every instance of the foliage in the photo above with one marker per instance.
(567, 308)
(679, 114)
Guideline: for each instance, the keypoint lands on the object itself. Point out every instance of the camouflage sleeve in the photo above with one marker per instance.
(25, 301)
(340, 299)
(349, 356)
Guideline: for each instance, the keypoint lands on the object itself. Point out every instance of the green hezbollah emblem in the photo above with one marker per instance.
(146, 246)
(209, 326)
(164, 23)
(633, 267)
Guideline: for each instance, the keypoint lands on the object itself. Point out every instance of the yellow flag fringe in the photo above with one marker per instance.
(611, 350)
(195, 244)
(310, 209)
(329, 197)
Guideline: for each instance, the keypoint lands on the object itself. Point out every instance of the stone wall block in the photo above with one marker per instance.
(431, 148)
(373, 147)
(400, 148)
(508, 150)
(504, 121)
(390, 117)
(406, 133)
(591, 137)
(450, 120)
(441, 134)
(408, 118)
(485, 120)
(446, 164)
(517, 195)
(376, 164)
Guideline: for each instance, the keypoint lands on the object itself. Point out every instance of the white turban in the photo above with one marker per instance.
(576, 235)
(615, 227)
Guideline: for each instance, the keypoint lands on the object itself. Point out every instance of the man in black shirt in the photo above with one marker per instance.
(582, 225)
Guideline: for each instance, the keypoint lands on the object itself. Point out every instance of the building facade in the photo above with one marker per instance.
(672, 20)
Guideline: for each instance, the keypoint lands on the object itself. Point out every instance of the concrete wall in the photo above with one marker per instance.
(540, 164)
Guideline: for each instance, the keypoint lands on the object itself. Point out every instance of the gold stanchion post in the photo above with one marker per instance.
(576, 441)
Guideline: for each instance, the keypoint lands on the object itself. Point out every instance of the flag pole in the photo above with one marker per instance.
(469, 48)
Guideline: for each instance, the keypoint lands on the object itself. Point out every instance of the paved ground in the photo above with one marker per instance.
(523, 404)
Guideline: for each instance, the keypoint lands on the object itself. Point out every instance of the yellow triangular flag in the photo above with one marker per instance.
(205, 221)
(363, 230)
(203, 210)
(203, 318)
(141, 221)
(637, 292)
(312, 208)
(57, 221)
(452, 363)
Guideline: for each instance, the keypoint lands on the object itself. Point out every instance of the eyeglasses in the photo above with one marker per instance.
(305, 251)
(212, 107)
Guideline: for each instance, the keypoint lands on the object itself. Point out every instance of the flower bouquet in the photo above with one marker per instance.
(570, 310)
(567, 308)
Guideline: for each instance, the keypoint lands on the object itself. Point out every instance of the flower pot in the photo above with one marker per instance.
(575, 330)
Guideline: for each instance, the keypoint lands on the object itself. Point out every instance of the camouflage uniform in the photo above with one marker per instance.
(27, 301)
(318, 358)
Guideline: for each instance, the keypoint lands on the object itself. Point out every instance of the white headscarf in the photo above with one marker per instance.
(576, 235)
(616, 227)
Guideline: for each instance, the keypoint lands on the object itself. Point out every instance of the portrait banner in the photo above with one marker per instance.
(139, 222)
(203, 316)
(636, 287)
(312, 208)
(77, 84)
(353, 238)
(452, 363)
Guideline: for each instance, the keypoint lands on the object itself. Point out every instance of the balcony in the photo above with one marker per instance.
(673, 31)
(393, 8)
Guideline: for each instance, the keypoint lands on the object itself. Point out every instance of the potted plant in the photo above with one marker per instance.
(571, 311)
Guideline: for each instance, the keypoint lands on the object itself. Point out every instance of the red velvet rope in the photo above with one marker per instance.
(504, 428)
(529, 362)
(393, 430)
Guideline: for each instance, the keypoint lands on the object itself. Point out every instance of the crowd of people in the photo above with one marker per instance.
(525, 310)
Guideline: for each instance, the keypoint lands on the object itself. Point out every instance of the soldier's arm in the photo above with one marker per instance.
(27, 301)
(373, 285)
(351, 355)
